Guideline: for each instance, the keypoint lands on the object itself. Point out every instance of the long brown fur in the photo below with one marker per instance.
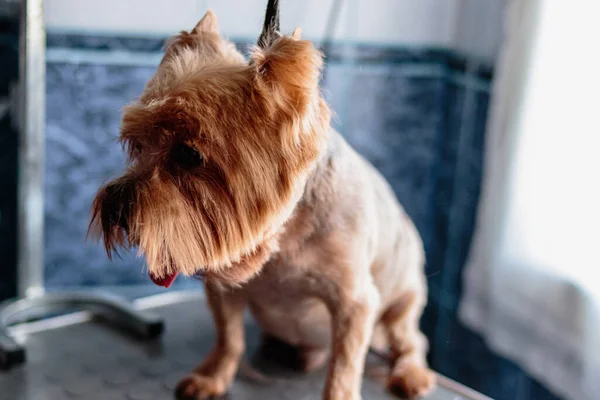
(279, 213)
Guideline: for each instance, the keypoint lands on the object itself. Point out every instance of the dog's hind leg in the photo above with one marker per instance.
(379, 340)
(300, 358)
(311, 359)
(410, 375)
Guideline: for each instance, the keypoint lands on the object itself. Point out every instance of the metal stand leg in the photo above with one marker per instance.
(10, 352)
(142, 324)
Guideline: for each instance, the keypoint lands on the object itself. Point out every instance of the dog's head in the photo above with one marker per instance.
(219, 150)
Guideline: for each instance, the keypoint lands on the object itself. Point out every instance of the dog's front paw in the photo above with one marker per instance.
(412, 381)
(198, 387)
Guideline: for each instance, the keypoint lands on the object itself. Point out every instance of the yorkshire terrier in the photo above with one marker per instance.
(235, 174)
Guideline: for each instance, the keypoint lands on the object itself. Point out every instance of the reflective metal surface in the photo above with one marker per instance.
(142, 324)
(31, 118)
(84, 361)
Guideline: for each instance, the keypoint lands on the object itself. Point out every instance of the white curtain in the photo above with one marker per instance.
(532, 281)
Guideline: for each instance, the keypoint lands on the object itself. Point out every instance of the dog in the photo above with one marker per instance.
(235, 174)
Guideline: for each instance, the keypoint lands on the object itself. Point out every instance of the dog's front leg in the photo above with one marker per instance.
(214, 376)
(353, 317)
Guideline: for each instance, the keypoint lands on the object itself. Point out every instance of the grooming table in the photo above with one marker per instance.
(72, 357)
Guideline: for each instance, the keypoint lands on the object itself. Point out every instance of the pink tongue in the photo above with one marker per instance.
(167, 281)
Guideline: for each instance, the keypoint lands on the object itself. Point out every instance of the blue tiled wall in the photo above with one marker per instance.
(83, 116)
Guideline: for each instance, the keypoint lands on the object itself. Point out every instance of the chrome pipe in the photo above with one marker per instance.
(31, 121)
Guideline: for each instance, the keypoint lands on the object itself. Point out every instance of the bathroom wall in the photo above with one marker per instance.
(471, 26)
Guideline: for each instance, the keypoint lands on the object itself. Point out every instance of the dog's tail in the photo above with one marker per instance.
(271, 25)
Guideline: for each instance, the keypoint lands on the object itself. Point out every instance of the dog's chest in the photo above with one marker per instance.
(283, 308)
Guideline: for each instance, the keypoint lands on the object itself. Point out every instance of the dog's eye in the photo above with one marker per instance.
(188, 156)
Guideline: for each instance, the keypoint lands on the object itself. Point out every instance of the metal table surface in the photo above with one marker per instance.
(72, 357)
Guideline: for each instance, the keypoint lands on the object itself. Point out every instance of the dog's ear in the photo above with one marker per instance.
(207, 28)
(290, 70)
(297, 34)
(208, 23)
